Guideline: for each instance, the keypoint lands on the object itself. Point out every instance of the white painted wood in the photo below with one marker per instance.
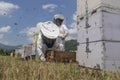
(112, 56)
(112, 51)
(94, 4)
(111, 25)
(91, 4)
(93, 58)
(102, 37)
(112, 65)
(103, 53)
(103, 26)
(94, 33)
(20, 51)
(24, 51)
(112, 3)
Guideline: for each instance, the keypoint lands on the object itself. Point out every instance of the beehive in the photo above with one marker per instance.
(60, 56)
(99, 44)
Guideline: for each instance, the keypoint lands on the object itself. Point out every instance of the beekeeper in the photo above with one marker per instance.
(59, 21)
(47, 37)
(52, 35)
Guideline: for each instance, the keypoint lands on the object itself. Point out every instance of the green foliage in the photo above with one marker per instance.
(71, 45)
(4, 52)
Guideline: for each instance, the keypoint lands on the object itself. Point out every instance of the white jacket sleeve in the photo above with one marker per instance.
(63, 31)
(39, 42)
(39, 45)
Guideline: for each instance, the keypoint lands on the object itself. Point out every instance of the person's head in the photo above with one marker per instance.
(58, 19)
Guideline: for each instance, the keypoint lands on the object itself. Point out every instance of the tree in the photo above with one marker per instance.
(4, 52)
(71, 45)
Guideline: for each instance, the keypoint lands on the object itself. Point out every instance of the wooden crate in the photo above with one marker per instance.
(60, 56)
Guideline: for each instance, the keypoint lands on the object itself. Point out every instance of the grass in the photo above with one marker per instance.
(14, 69)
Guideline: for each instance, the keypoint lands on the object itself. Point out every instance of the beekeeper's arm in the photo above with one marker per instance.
(39, 42)
(65, 32)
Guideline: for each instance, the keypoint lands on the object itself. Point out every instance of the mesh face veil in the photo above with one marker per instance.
(58, 19)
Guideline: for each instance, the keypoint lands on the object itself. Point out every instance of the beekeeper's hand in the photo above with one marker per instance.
(63, 36)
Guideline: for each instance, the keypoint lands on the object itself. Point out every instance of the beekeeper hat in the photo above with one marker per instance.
(49, 30)
(59, 16)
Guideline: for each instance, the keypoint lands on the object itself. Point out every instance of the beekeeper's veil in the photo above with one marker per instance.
(59, 19)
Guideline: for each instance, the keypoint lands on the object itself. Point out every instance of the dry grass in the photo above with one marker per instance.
(13, 69)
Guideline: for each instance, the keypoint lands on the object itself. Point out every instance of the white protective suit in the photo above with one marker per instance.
(58, 44)
(46, 38)
(59, 21)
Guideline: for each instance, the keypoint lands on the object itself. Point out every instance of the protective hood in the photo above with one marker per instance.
(49, 30)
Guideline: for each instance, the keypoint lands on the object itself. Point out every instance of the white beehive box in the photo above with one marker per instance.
(94, 33)
(20, 51)
(99, 45)
(103, 26)
(93, 4)
(25, 51)
(104, 54)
